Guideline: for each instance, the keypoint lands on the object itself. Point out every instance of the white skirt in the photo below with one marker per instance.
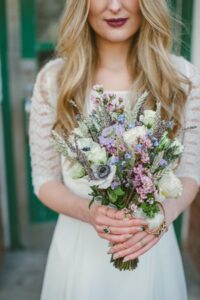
(78, 268)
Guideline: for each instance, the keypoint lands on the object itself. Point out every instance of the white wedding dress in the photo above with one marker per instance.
(78, 266)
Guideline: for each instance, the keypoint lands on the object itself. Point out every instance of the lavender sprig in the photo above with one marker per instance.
(139, 104)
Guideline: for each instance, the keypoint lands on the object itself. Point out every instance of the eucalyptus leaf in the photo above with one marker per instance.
(119, 192)
(112, 196)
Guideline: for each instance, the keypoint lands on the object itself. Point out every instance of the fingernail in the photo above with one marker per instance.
(140, 228)
(115, 256)
(126, 259)
(129, 236)
(145, 223)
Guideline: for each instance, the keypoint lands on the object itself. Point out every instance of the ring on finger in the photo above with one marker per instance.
(106, 229)
(142, 243)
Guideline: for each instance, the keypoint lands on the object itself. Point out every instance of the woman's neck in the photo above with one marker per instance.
(113, 56)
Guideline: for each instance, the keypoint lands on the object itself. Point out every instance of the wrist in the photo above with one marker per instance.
(89, 213)
(171, 213)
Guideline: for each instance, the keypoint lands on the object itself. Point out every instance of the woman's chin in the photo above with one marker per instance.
(116, 38)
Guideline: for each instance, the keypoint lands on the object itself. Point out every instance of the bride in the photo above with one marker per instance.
(125, 45)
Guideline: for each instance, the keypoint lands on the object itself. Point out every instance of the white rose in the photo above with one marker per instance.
(148, 117)
(154, 222)
(104, 183)
(76, 171)
(97, 155)
(170, 185)
(132, 135)
(179, 147)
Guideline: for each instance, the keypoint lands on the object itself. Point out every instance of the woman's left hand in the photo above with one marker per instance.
(135, 246)
(141, 242)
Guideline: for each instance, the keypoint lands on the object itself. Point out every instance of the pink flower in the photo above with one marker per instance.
(145, 157)
(110, 107)
(125, 210)
(95, 100)
(139, 169)
(147, 143)
(147, 184)
(122, 147)
(133, 207)
(142, 193)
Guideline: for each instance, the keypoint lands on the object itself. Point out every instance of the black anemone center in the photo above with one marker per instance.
(103, 171)
(86, 149)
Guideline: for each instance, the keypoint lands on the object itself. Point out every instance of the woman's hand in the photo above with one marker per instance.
(135, 246)
(141, 242)
(121, 228)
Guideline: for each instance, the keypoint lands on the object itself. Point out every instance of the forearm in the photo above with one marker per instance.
(59, 198)
(174, 207)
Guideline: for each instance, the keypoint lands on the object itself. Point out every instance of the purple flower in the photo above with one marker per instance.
(128, 155)
(163, 163)
(121, 118)
(107, 136)
(138, 148)
(156, 144)
(155, 141)
(119, 129)
(115, 184)
(114, 160)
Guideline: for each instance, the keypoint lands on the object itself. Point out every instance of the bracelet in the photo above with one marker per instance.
(162, 228)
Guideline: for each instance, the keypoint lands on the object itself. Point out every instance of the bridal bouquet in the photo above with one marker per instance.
(127, 157)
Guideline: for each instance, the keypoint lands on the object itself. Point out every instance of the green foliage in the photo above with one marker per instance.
(149, 209)
(115, 195)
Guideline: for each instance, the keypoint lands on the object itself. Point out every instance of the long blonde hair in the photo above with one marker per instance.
(149, 60)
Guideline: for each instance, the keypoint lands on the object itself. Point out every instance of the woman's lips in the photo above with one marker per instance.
(116, 22)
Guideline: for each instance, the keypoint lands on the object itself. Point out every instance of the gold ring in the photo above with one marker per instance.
(142, 243)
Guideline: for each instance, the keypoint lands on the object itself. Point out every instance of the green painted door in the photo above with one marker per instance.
(184, 10)
(39, 23)
(7, 133)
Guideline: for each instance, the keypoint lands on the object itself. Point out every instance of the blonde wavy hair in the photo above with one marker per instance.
(149, 62)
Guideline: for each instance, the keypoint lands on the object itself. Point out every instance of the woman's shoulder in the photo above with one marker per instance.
(50, 71)
(46, 83)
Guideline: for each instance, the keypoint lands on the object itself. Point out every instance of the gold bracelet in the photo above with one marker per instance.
(162, 228)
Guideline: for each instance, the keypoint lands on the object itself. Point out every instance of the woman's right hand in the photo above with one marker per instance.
(121, 228)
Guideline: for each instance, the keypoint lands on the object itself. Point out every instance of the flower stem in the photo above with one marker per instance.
(123, 266)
